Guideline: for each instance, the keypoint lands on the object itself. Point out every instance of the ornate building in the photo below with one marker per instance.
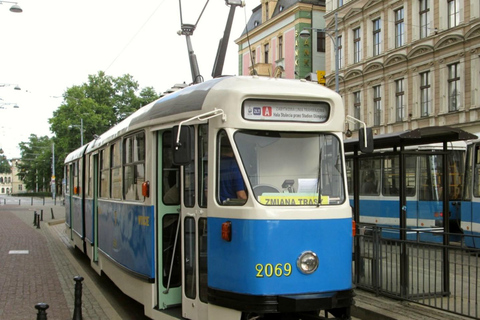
(401, 64)
(408, 64)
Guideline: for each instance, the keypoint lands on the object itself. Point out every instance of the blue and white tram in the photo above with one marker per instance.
(470, 206)
(379, 189)
(254, 170)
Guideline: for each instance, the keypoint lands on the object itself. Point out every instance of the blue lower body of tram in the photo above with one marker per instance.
(259, 266)
(125, 233)
(424, 218)
(471, 223)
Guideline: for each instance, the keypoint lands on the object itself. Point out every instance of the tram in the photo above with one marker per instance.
(380, 182)
(470, 206)
(223, 200)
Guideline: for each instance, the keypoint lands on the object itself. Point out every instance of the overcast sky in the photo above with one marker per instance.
(55, 44)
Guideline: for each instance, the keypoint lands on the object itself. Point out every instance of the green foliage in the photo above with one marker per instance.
(5, 166)
(99, 104)
(35, 166)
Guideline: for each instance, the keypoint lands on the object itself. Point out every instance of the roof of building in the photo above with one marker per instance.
(256, 17)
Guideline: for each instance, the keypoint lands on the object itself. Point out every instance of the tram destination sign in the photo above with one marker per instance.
(263, 110)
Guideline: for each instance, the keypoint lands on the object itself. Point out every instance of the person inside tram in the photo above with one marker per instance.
(369, 186)
(232, 185)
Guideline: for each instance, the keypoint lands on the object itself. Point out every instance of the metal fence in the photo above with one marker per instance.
(440, 274)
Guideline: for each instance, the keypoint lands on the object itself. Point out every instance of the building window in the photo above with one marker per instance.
(320, 41)
(424, 21)
(339, 51)
(377, 37)
(453, 87)
(453, 13)
(377, 106)
(280, 47)
(399, 28)
(356, 108)
(399, 100)
(340, 3)
(425, 103)
(357, 46)
(266, 48)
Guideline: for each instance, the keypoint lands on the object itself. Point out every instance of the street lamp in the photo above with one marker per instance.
(305, 34)
(3, 104)
(17, 87)
(81, 129)
(15, 8)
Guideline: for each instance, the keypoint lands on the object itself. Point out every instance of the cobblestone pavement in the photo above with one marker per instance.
(38, 267)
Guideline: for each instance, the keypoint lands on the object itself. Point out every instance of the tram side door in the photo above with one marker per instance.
(168, 257)
(194, 231)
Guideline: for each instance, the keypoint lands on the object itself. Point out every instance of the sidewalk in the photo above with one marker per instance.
(38, 265)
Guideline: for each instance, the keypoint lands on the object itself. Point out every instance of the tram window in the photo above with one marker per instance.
(115, 171)
(370, 176)
(202, 164)
(410, 175)
(277, 174)
(170, 172)
(75, 177)
(476, 177)
(231, 187)
(133, 166)
(349, 165)
(67, 179)
(190, 258)
(89, 175)
(169, 232)
(104, 174)
(391, 175)
(467, 191)
(430, 177)
(189, 184)
(202, 256)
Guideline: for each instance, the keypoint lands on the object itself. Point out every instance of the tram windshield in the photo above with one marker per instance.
(292, 169)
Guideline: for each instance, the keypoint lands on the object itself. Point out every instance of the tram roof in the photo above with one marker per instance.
(436, 134)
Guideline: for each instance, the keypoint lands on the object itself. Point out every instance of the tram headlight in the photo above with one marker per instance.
(307, 263)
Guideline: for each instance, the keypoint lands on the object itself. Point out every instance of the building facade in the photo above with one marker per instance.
(402, 65)
(271, 45)
(407, 64)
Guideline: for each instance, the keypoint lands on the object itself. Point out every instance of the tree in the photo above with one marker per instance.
(35, 166)
(99, 104)
(5, 166)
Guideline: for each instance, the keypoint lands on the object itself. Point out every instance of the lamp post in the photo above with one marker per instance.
(14, 8)
(305, 34)
(81, 129)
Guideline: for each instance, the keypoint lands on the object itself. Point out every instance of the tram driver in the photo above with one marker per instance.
(232, 185)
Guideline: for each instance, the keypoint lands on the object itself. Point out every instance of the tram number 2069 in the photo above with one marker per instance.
(269, 270)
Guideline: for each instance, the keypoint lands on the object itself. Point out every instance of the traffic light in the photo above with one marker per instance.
(321, 77)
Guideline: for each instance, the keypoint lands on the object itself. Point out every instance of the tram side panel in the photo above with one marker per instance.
(126, 235)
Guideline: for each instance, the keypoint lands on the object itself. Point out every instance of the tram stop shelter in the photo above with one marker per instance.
(401, 145)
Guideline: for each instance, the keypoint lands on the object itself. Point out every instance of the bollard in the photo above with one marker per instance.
(19, 201)
(31, 201)
(34, 218)
(41, 215)
(53, 217)
(38, 221)
(42, 311)
(77, 312)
